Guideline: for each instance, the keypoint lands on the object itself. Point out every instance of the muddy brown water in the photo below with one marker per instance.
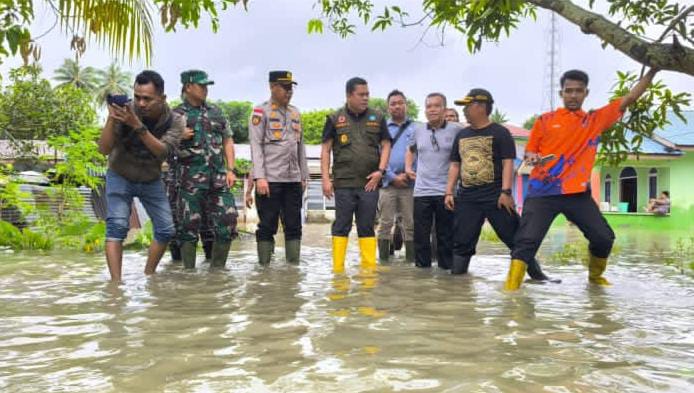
(304, 329)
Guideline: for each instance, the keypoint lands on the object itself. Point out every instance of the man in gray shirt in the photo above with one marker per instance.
(430, 146)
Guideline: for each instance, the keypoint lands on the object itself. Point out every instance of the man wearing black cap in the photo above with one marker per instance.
(280, 170)
(205, 173)
(482, 160)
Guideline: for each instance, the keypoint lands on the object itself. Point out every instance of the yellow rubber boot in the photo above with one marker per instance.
(515, 275)
(367, 248)
(596, 267)
(339, 252)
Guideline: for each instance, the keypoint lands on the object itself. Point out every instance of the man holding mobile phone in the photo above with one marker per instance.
(137, 138)
(562, 185)
(482, 160)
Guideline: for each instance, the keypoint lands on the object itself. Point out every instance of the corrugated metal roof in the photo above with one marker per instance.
(655, 146)
(679, 132)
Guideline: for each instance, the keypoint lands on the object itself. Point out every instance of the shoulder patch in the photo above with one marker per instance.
(257, 115)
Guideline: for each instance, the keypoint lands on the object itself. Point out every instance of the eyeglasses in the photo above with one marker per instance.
(434, 142)
(286, 87)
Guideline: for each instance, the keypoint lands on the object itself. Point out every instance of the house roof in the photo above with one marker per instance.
(679, 132)
(655, 145)
(517, 132)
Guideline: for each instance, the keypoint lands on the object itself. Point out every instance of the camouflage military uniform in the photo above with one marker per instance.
(171, 184)
(204, 199)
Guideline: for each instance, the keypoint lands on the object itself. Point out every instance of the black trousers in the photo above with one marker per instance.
(581, 209)
(355, 202)
(469, 220)
(285, 200)
(425, 209)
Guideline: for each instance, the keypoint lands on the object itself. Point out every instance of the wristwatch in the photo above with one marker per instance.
(140, 130)
(507, 191)
(383, 171)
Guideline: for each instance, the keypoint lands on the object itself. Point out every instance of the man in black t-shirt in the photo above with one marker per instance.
(482, 161)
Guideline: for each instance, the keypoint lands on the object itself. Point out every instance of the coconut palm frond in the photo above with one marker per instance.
(71, 73)
(112, 80)
(123, 26)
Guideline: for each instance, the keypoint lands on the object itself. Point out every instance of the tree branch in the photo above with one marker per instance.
(672, 57)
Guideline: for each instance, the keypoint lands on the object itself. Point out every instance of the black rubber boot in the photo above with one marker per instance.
(460, 264)
(535, 272)
(175, 251)
(208, 245)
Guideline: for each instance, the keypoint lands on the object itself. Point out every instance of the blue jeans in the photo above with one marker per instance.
(119, 198)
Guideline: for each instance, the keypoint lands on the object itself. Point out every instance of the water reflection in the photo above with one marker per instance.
(288, 328)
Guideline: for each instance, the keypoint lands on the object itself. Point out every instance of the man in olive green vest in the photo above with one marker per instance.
(359, 140)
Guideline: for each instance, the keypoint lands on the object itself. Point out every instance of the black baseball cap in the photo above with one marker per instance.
(475, 95)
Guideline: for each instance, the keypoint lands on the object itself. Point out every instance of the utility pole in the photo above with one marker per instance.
(552, 65)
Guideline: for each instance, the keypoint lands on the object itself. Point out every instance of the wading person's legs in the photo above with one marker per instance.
(406, 208)
(345, 205)
(387, 206)
(190, 222)
(119, 199)
(365, 214)
(444, 234)
(291, 209)
(424, 208)
(506, 225)
(153, 197)
(269, 208)
(221, 208)
(467, 225)
(582, 211)
(538, 214)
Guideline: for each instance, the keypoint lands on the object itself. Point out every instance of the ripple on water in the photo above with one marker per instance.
(286, 328)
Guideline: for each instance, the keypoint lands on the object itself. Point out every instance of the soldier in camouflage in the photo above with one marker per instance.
(205, 173)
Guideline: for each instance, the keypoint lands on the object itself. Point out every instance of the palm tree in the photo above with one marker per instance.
(112, 80)
(70, 73)
(123, 26)
(498, 117)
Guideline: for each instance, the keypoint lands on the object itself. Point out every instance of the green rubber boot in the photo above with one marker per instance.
(292, 249)
(220, 252)
(188, 251)
(265, 251)
(383, 250)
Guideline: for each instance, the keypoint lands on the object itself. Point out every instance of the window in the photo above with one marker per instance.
(653, 183)
(608, 189)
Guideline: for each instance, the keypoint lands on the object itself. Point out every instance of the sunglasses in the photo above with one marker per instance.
(434, 142)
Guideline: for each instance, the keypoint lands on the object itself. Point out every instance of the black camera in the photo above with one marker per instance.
(117, 99)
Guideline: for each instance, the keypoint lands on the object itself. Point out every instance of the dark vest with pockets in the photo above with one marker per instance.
(356, 147)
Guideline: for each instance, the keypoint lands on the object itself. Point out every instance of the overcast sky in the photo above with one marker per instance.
(272, 35)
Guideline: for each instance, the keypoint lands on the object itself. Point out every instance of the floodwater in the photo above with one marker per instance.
(303, 329)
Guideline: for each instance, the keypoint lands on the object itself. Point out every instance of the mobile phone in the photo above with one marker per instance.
(545, 159)
(117, 99)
